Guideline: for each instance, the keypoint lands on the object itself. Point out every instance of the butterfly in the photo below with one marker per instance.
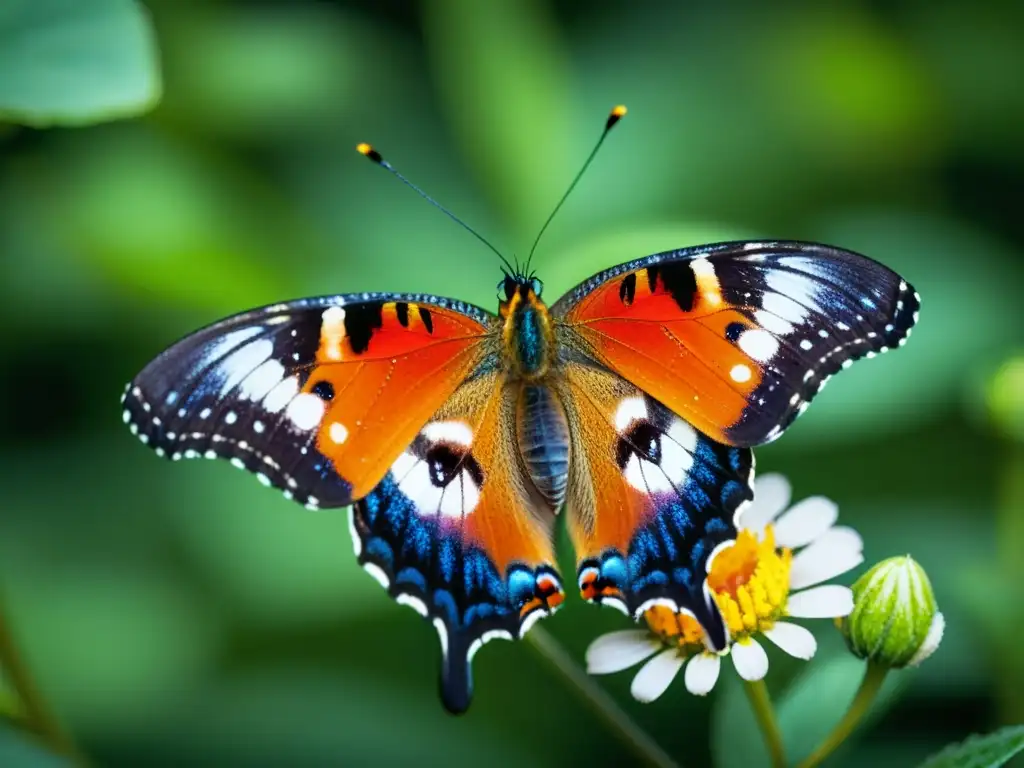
(457, 436)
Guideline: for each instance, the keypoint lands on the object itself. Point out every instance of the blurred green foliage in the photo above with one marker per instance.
(179, 614)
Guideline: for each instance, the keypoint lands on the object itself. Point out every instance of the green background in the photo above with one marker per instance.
(181, 614)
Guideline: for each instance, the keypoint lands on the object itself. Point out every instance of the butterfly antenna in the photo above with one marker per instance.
(614, 116)
(368, 151)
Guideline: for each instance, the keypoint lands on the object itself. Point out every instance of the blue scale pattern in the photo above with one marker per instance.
(667, 557)
(459, 586)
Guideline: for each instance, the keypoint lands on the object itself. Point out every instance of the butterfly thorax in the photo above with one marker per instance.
(527, 334)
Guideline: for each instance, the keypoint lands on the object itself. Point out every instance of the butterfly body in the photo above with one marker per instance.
(459, 436)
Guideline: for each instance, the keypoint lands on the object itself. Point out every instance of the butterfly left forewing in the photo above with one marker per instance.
(651, 499)
(317, 396)
(454, 531)
(738, 337)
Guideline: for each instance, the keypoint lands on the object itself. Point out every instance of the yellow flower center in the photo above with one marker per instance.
(750, 582)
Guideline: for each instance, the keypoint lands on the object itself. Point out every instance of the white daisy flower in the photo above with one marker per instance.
(772, 572)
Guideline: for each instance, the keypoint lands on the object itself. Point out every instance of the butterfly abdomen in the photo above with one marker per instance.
(544, 442)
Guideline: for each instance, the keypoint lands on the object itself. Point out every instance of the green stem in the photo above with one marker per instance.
(38, 716)
(765, 714)
(874, 676)
(599, 701)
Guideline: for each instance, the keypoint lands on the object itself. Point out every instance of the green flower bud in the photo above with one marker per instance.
(894, 622)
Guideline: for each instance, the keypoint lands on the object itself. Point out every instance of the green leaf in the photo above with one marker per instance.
(989, 751)
(302, 79)
(159, 220)
(73, 63)
(503, 78)
(17, 751)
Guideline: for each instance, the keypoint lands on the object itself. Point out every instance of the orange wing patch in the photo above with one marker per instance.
(504, 521)
(387, 367)
(665, 329)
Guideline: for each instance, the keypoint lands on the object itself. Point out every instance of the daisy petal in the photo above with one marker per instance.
(654, 676)
(702, 673)
(620, 650)
(826, 602)
(771, 495)
(803, 523)
(835, 552)
(793, 639)
(750, 660)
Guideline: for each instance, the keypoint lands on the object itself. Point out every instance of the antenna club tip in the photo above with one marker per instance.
(367, 150)
(618, 112)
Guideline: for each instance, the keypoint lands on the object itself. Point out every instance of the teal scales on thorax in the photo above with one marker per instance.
(530, 340)
(542, 426)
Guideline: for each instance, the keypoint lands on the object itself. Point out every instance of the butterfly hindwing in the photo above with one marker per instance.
(738, 337)
(651, 499)
(316, 397)
(453, 531)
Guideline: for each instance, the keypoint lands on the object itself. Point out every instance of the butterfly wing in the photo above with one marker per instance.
(651, 499)
(317, 397)
(453, 531)
(737, 338)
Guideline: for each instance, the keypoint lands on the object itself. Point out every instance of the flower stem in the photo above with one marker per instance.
(599, 701)
(874, 676)
(765, 714)
(37, 715)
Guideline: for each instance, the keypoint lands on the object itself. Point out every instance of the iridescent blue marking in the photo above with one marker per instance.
(459, 585)
(529, 339)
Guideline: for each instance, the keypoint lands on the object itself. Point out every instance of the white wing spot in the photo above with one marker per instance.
(240, 364)
(458, 432)
(773, 323)
(760, 345)
(630, 409)
(740, 373)
(257, 384)
(338, 432)
(305, 411)
(281, 395)
(332, 332)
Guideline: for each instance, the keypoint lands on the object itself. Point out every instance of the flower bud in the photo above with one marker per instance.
(894, 621)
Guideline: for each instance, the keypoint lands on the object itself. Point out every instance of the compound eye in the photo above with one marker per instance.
(506, 289)
(536, 286)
